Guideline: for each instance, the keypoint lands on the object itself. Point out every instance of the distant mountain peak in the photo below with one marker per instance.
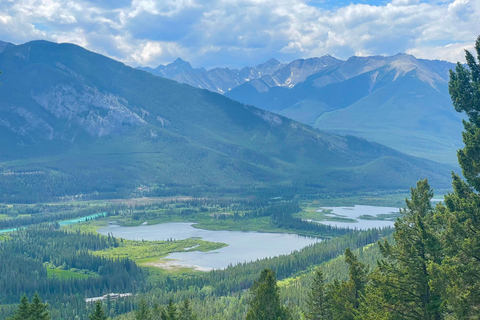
(179, 62)
(271, 61)
(329, 57)
(268, 67)
(71, 112)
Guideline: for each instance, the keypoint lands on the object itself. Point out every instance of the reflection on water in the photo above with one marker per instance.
(242, 246)
(357, 211)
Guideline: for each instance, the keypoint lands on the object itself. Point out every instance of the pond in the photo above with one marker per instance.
(355, 212)
(242, 246)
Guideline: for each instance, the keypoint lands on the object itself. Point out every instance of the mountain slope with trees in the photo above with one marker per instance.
(431, 269)
(75, 122)
(399, 101)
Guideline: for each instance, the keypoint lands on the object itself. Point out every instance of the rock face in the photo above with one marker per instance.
(93, 125)
(221, 80)
(218, 80)
(399, 101)
(99, 114)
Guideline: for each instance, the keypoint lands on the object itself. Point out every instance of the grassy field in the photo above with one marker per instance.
(66, 274)
(89, 226)
(141, 250)
(320, 214)
(149, 254)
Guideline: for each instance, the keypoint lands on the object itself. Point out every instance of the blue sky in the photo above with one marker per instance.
(236, 33)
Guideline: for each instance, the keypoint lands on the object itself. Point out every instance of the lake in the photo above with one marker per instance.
(355, 212)
(242, 246)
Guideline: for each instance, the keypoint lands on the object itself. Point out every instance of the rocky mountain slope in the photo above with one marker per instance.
(75, 122)
(399, 101)
(222, 80)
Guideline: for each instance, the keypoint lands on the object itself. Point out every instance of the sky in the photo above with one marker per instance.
(238, 33)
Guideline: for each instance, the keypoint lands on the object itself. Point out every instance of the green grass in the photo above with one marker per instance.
(253, 224)
(141, 250)
(89, 226)
(323, 215)
(383, 216)
(66, 274)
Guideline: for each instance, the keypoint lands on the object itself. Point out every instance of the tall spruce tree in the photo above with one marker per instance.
(186, 312)
(98, 313)
(462, 207)
(402, 283)
(170, 312)
(157, 311)
(143, 312)
(38, 309)
(344, 297)
(317, 302)
(23, 309)
(265, 303)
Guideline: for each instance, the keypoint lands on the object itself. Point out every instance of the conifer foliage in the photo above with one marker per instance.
(265, 303)
(344, 297)
(36, 310)
(317, 304)
(98, 313)
(462, 213)
(404, 277)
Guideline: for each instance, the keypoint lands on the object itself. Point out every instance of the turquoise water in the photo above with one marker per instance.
(8, 230)
(83, 219)
(67, 222)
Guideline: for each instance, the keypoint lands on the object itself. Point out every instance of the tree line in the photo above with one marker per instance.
(431, 269)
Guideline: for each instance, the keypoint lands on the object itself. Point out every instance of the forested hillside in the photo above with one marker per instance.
(75, 123)
(427, 269)
(399, 101)
(430, 269)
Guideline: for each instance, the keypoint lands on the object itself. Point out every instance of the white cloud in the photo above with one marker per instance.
(451, 52)
(244, 32)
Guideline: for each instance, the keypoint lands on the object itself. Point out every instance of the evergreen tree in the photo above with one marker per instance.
(171, 311)
(98, 313)
(357, 277)
(461, 213)
(143, 312)
(344, 297)
(38, 309)
(265, 303)
(317, 303)
(23, 310)
(186, 312)
(404, 278)
(157, 311)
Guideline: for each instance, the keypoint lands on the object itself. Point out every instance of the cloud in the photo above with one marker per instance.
(451, 52)
(236, 33)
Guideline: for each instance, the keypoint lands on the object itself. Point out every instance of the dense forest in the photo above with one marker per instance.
(426, 268)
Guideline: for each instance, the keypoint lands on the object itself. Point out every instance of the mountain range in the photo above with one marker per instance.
(75, 122)
(399, 101)
(223, 80)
